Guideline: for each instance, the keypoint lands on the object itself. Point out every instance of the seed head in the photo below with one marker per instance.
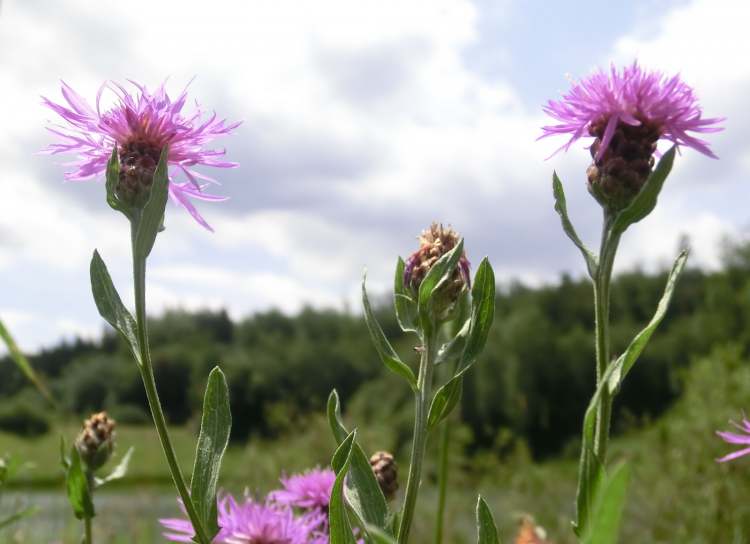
(96, 441)
(386, 473)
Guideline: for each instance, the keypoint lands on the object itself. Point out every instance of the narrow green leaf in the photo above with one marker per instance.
(216, 424)
(440, 272)
(23, 363)
(119, 471)
(338, 520)
(454, 349)
(406, 306)
(645, 201)
(561, 208)
(486, 530)
(482, 315)
(64, 459)
(110, 305)
(77, 487)
(362, 490)
(625, 362)
(609, 507)
(152, 218)
(444, 401)
(26, 512)
(379, 536)
(386, 352)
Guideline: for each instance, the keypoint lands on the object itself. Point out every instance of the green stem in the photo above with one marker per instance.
(87, 538)
(601, 314)
(149, 383)
(422, 406)
(445, 432)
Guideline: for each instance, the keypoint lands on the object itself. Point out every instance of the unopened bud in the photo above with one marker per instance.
(386, 473)
(138, 161)
(96, 441)
(435, 242)
(620, 172)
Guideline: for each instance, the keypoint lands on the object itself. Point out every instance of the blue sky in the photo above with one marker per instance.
(363, 122)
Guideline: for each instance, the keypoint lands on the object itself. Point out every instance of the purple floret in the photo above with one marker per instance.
(145, 119)
(632, 96)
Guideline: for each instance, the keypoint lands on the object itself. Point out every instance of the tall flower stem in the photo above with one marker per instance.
(149, 383)
(602, 282)
(422, 405)
(445, 433)
(87, 538)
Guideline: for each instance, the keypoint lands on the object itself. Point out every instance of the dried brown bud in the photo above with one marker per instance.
(530, 533)
(96, 441)
(385, 470)
(435, 242)
(618, 175)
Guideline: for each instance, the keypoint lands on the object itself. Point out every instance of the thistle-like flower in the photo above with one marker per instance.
(309, 492)
(140, 126)
(96, 441)
(246, 522)
(735, 438)
(627, 112)
(386, 473)
(435, 242)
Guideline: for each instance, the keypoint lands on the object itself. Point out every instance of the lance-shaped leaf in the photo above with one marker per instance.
(340, 529)
(561, 208)
(24, 513)
(482, 315)
(151, 219)
(444, 401)
(376, 535)
(438, 274)
(610, 502)
(386, 352)
(119, 471)
(79, 494)
(23, 363)
(216, 424)
(110, 305)
(406, 306)
(363, 492)
(486, 530)
(454, 348)
(625, 362)
(645, 201)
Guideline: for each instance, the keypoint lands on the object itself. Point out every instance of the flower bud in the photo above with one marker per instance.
(138, 160)
(96, 441)
(619, 172)
(530, 533)
(435, 242)
(386, 473)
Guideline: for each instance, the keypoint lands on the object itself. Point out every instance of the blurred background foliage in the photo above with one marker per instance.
(520, 416)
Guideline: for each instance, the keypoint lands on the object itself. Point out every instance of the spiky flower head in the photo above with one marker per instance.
(246, 522)
(310, 494)
(386, 473)
(434, 242)
(743, 437)
(627, 112)
(96, 441)
(140, 125)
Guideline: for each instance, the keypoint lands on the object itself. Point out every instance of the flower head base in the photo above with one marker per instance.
(140, 126)
(735, 438)
(96, 441)
(386, 473)
(628, 112)
(435, 242)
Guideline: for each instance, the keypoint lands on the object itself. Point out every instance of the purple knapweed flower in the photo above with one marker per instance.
(627, 112)
(309, 492)
(734, 438)
(140, 125)
(246, 522)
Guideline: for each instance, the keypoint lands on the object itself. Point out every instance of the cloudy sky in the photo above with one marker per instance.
(363, 122)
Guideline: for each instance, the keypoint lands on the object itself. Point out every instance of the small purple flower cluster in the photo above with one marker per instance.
(295, 514)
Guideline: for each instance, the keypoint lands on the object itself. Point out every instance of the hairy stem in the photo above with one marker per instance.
(149, 383)
(601, 314)
(422, 405)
